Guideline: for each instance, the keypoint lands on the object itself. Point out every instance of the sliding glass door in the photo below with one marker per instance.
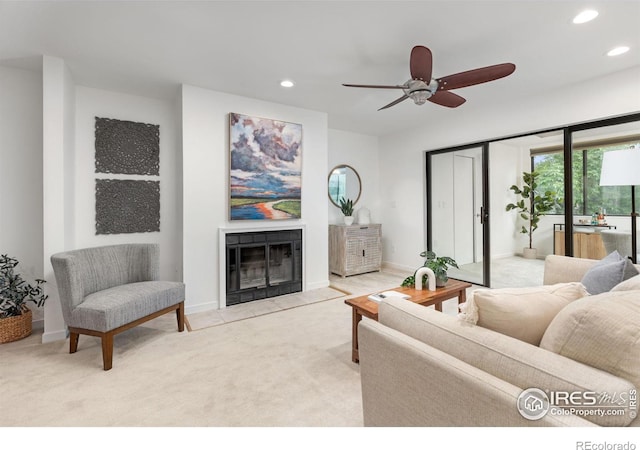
(456, 207)
(469, 188)
(517, 250)
(602, 198)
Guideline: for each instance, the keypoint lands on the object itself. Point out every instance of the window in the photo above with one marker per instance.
(588, 195)
(550, 166)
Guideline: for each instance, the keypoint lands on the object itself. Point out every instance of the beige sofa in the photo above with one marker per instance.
(420, 367)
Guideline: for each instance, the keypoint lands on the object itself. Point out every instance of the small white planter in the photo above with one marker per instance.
(529, 253)
(348, 220)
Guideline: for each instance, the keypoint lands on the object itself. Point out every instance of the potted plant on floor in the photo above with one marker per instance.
(15, 316)
(439, 265)
(532, 206)
(346, 206)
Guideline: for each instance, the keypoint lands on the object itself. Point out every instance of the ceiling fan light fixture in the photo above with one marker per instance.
(421, 87)
(585, 16)
(420, 97)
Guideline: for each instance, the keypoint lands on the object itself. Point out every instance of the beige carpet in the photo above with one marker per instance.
(257, 367)
(292, 368)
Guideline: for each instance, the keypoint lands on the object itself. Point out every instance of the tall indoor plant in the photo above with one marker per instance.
(15, 293)
(532, 206)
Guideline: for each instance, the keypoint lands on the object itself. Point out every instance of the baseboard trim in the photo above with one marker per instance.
(318, 285)
(400, 267)
(202, 307)
(53, 336)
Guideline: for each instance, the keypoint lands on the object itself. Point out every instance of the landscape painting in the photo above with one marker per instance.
(266, 167)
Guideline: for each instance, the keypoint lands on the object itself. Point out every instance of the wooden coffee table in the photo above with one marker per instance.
(362, 306)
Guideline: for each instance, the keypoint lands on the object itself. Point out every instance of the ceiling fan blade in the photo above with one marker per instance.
(395, 102)
(420, 63)
(475, 76)
(376, 86)
(448, 99)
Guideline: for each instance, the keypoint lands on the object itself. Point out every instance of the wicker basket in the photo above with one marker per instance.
(16, 327)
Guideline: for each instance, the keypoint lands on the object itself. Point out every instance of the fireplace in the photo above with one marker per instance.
(262, 264)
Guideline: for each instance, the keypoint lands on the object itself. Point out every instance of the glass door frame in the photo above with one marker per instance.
(568, 170)
(568, 131)
(484, 208)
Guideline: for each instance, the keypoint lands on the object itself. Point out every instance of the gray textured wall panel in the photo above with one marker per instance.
(127, 147)
(127, 206)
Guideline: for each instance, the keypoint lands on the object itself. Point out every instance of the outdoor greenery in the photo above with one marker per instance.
(15, 292)
(533, 203)
(588, 195)
(439, 265)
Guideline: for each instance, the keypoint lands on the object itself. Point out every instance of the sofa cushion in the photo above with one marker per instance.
(111, 308)
(519, 363)
(602, 331)
(607, 273)
(522, 313)
(632, 284)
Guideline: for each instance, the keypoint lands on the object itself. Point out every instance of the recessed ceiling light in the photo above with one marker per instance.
(618, 51)
(286, 83)
(585, 16)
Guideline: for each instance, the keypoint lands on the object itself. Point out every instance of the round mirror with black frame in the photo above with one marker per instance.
(344, 182)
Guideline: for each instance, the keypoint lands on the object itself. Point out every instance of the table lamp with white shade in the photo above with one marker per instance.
(622, 168)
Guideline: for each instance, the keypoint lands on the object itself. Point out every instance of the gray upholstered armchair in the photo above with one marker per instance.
(107, 290)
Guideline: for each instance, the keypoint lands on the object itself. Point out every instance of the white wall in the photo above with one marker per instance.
(58, 112)
(21, 171)
(506, 164)
(92, 103)
(205, 134)
(402, 154)
(359, 151)
(68, 190)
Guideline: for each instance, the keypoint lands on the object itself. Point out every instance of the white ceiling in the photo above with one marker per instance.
(246, 48)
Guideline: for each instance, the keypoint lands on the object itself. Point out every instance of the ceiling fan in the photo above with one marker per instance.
(421, 87)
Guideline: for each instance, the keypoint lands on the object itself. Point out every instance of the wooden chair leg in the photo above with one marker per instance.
(73, 341)
(180, 314)
(107, 350)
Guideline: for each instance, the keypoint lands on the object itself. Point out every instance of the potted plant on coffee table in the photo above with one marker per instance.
(531, 207)
(439, 265)
(346, 206)
(15, 293)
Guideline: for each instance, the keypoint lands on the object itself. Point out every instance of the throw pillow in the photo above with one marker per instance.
(522, 313)
(632, 284)
(607, 273)
(602, 331)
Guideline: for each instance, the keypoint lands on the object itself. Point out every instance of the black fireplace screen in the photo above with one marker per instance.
(263, 264)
